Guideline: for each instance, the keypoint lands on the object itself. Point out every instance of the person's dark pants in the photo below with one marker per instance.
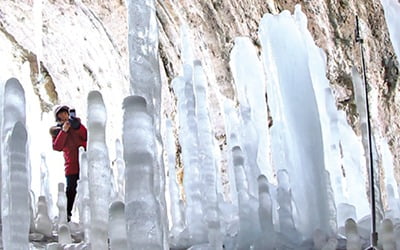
(72, 181)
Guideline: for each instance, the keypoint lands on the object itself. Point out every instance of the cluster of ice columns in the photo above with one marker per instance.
(292, 196)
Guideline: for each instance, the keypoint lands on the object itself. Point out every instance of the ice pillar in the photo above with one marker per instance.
(142, 211)
(83, 194)
(117, 226)
(99, 171)
(145, 80)
(18, 186)
(13, 111)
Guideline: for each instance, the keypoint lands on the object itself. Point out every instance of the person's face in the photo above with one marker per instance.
(63, 116)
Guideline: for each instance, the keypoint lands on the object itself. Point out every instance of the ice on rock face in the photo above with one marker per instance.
(116, 226)
(294, 110)
(142, 211)
(360, 98)
(143, 50)
(99, 171)
(392, 10)
(43, 223)
(62, 204)
(250, 84)
(393, 203)
(177, 205)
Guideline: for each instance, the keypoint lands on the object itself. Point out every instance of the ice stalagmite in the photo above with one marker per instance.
(145, 80)
(13, 111)
(177, 206)
(142, 211)
(285, 211)
(207, 159)
(319, 239)
(265, 214)
(17, 179)
(43, 223)
(117, 226)
(99, 171)
(249, 228)
(353, 237)
(331, 244)
(393, 203)
(232, 127)
(62, 204)
(64, 234)
(83, 194)
(45, 184)
(183, 87)
(386, 235)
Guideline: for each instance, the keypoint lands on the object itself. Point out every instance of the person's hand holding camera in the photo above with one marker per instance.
(66, 126)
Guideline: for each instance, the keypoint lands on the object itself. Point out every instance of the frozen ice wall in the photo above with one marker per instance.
(296, 137)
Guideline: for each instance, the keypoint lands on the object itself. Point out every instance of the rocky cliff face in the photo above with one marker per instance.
(82, 45)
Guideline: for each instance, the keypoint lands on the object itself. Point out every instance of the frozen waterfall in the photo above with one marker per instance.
(296, 171)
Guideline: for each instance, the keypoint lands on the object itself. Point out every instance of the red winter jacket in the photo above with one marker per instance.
(69, 142)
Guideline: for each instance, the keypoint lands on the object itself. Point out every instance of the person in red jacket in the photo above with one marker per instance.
(68, 136)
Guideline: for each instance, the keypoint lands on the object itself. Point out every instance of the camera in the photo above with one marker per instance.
(73, 120)
(72, 113)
